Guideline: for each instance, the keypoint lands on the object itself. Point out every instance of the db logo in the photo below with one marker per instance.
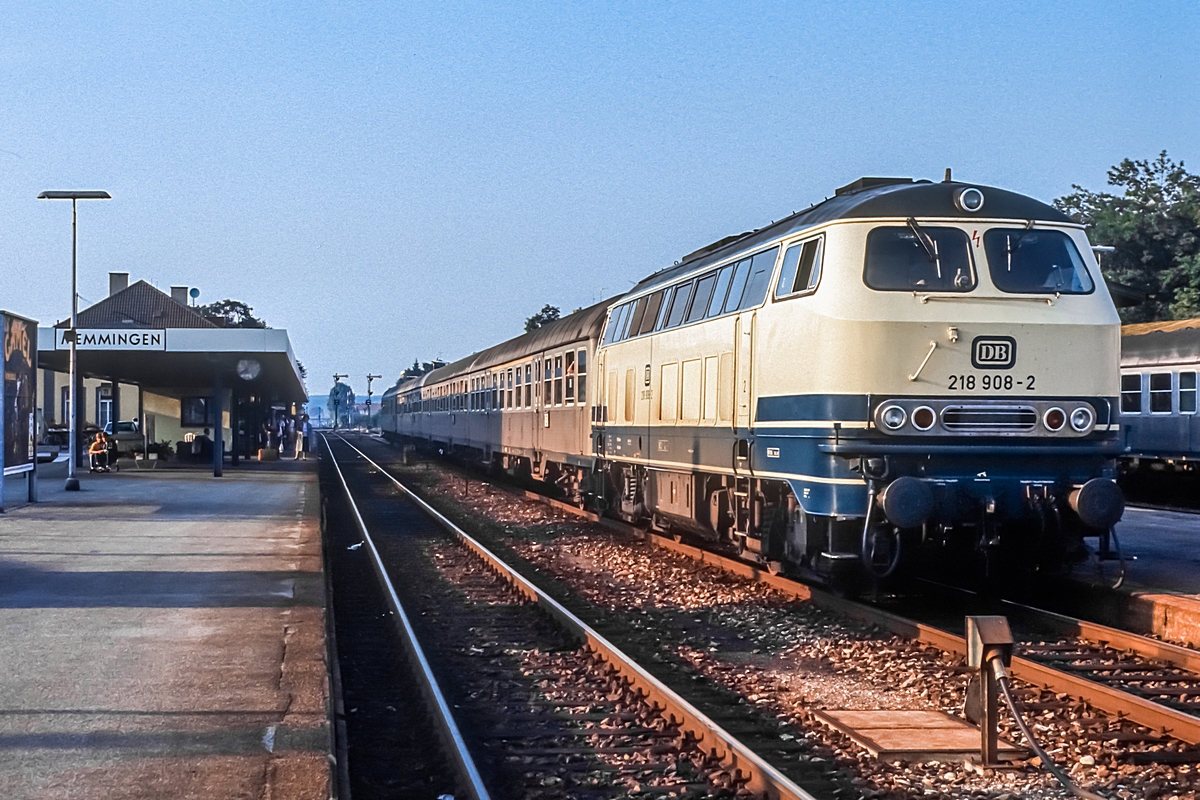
(993, 352)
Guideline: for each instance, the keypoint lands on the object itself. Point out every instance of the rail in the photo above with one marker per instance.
(761, 777)
(464, 763)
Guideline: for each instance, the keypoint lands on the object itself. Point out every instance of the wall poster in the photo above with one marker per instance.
(19, 393)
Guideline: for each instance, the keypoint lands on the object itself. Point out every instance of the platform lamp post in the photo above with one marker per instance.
(337, 397)
(370, 378)
(72, 484)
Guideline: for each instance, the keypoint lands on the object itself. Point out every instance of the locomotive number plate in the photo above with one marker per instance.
(991, 382)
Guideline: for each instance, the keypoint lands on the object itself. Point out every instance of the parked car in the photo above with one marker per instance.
(125, 436)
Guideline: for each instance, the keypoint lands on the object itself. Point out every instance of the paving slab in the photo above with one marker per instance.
(162, 636)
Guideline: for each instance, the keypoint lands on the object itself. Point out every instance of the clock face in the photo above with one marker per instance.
(248, 369)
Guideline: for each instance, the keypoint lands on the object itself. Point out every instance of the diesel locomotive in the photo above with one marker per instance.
(905, 367)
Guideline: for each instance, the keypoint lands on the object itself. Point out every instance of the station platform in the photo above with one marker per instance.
(1160, 595)
(162, 636)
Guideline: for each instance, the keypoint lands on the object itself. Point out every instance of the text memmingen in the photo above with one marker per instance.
(100, 339)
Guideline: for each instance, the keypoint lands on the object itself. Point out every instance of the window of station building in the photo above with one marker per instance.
(1022, 260)
(558, 380)
(581, 367)
(801, 268)
(737, 285)
(1187, 393)
(703, 293)
(898, 261)
(762, 267)
(195, 412)
(1160, 393)
(569, 367)
(1131, 394)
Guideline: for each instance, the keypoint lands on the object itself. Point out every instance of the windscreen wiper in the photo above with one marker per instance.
(926, 244)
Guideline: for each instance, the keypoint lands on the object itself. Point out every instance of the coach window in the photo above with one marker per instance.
(510, 388)
(558, 380)
(495, 392)
(1033, 261)
(801, 268)
(679, 304)
(653, 307)
(737, 285)
(717, 304)
(547, 378)
(1187, 392)
(569, 367)
(581, 367)
(704, 291)
(918, 258)
(529, 386)
(762, 267)
(1131, 394)
(1160, 393)
(520, 388)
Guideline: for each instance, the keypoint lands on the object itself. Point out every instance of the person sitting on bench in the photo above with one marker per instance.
(98, 452)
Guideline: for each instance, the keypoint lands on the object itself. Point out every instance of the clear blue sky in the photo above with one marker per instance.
(393, 181)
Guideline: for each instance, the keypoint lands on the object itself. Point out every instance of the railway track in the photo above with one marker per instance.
(555, 708)
(1127, 692)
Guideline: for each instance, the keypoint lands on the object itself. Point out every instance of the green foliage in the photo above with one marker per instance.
(548, 313)
(343, 396)
(1154, 226)
(231, 314)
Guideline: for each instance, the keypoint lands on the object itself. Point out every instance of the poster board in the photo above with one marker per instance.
(18, 393)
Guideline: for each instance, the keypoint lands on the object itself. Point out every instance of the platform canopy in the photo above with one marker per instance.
(140, 335)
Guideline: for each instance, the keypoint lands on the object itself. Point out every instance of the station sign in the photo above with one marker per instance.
(18, 394)
(112, 339)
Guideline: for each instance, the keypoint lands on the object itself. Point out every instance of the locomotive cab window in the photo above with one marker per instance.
(801, 268)
(1033, 261)
(918, 258)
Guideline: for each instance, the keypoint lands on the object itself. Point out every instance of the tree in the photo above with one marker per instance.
(341, 402)
(231, 314)
(1154, 226)
(548, 313)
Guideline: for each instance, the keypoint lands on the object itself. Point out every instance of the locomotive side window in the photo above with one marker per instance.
(899, 260)
(718, 299)
(668, 295)
(1131, 394)
(704, 290)
(762, 266)
(635, 319)
(1160, 393)
(1023, 260)
(801, 268)
(737, 285)
(653, 307)
(1187, 393)
(679, 305)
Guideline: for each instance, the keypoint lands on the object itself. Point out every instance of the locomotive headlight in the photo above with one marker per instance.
(893, 417)
(1082, 419)
(1054, 419)
(969, 200)
(923, 418)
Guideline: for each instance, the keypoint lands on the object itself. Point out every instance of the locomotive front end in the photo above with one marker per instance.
(969, 365)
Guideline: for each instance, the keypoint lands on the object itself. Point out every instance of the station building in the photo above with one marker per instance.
(148, 357)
